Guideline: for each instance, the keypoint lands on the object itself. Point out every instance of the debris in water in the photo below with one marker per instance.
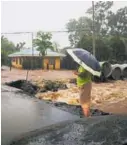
(48, 85)
(24, 85)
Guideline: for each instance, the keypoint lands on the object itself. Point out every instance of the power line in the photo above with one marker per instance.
(58, 31)
(15, 32)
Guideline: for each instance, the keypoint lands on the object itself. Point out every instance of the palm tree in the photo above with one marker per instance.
(43, 42)
(20, 45)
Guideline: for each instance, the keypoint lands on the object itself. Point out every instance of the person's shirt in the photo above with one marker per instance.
(84, 78)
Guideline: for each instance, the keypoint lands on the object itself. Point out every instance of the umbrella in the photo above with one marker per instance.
(86, 60)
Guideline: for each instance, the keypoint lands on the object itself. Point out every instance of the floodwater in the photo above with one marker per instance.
(21, 114)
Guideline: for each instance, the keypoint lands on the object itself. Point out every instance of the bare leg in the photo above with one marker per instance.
(85, 98)
(86, 110)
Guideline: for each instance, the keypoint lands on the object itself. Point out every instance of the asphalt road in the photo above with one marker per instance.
(22, 114)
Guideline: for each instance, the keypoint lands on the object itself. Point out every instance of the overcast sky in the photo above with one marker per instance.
(33, 16)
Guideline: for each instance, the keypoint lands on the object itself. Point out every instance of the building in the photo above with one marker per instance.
(25, 59)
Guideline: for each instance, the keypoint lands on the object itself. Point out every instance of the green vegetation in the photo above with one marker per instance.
(7, 47)
(110, 32)
(43, 42)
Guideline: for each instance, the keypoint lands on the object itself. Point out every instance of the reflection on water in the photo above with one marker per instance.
(22, 114)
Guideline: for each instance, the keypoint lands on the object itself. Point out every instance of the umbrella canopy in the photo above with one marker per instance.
(86, 60)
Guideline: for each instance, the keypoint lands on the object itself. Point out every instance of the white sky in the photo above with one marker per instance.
(41, 15)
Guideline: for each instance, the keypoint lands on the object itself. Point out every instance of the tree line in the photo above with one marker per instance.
(8, 47)
(110, 32)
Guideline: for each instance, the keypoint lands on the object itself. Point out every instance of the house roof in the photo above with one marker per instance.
(28, 52)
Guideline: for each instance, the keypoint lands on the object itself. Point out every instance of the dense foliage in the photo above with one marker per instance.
(110, 32)
(7, 47)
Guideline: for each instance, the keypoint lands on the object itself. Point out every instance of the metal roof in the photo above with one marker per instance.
(28, 52)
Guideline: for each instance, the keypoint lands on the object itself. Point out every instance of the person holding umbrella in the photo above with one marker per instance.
(88, 66)
(85, 85)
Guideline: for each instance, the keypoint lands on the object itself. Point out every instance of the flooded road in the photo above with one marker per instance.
(21, 114)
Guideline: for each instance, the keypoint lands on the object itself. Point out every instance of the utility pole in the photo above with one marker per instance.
(94, 51)
(32, 61)
(32, 52)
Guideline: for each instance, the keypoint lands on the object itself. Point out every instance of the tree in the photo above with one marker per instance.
(118, 48)
(43, 42)
(86, 43)
(102, 49)
(20, 45)
(125, 44)
(110, 32)
(83, 26)
(102, 10)
(56, 46)
(117, 22)
(7, 47)
(78, 28)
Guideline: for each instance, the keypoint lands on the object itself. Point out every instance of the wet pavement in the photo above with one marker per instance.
(21, 114)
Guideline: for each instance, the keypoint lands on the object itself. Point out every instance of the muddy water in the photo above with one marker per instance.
(32, 89)
(21, 114)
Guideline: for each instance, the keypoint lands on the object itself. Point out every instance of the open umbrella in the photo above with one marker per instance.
(86, 60)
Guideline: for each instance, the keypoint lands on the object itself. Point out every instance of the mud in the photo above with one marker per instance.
(76, 110)
(54, 86)
(30, 88)
(24, 85)
(107, 130)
